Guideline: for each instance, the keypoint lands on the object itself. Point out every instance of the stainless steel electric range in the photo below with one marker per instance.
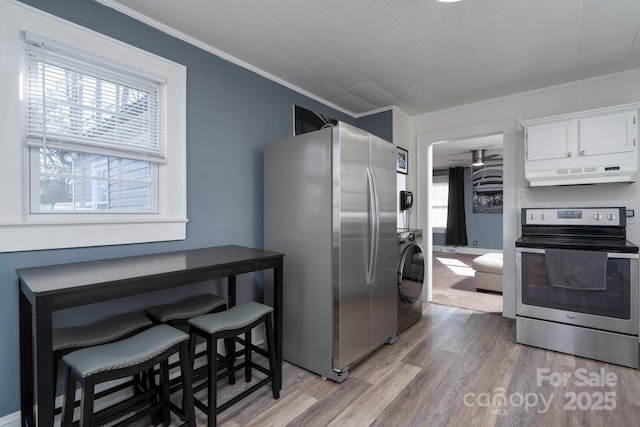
(577, 283)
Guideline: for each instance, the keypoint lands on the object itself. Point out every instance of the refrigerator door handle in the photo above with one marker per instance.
(374, 226)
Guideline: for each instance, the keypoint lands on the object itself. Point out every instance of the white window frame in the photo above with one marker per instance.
(19, 229)
(439, 179)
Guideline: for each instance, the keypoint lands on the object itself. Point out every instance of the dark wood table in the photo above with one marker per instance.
(44, 290)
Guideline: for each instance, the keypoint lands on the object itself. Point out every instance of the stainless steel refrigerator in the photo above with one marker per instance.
(330, 207)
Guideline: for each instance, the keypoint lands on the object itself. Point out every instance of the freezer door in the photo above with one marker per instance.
(384, 293)
(351, 246)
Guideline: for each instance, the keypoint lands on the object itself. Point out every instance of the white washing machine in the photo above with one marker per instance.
(410, 277)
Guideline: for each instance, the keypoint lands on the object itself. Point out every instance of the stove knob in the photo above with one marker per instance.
(543, 216)
(597, 216)
(532, 216)
(611, 217)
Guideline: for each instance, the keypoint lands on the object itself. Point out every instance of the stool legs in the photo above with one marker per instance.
(68, 400)
(187, 381)
(87, 415)
(212, 361)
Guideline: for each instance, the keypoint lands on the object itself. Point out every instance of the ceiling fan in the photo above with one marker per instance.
(479, 157)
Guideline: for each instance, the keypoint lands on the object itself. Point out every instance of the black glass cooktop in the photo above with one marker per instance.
(577, 243)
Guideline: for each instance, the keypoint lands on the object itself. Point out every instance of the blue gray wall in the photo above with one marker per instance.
(378, 124)
(231, 114)
(485, 229)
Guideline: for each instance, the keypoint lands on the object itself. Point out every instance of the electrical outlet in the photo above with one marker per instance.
(475, 243)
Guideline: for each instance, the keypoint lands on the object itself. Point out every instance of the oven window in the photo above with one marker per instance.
(613, 301)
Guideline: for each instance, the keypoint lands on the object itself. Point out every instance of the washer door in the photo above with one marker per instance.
(410, 274)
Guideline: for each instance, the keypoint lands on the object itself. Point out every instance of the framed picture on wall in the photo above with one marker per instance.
(487, 188)
(403, 161)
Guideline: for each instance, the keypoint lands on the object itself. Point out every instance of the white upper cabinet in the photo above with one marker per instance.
(583, 148)
(614, 133)
(550, 141)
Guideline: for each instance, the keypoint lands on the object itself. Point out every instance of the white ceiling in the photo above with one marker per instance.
(458, 152)
(419, 55)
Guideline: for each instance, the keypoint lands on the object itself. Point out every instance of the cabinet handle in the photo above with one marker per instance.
(569, 154)
(582, 153)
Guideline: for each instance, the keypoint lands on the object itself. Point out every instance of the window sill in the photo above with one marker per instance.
(38, 236)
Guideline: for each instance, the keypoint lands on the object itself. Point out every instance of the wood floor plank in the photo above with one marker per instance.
(423, 379)
(373, 402)
(412, 406)
(338, 400)
(284, 411)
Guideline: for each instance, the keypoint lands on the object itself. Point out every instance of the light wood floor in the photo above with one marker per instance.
(453, 368)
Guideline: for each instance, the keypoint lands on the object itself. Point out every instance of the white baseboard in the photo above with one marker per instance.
(464, 250)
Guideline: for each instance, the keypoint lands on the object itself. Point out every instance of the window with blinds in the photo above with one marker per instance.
(95, 131)
(439, 202)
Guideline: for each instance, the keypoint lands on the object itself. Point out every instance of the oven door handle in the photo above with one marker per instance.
(609, 254)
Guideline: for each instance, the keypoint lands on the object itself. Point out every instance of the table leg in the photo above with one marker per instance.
(26, 361)
(44, 364)
(277, 308)
(231, 290)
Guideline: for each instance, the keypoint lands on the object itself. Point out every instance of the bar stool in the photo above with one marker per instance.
(237, 320)
(119, 359)
(66, 340)
(178, 313)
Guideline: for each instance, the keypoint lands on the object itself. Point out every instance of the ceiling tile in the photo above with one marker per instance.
(324, 29)
(553, 23)
(532, 9)
(422, 55)
(394, 42)
(605, 60)
(452, 34)
(304, 52)
(614, 14)
(413, 58)
(555, 48)
(494, 30)
(473, 13)
(329, 67)
(349, 79)
(373, 22)
(425, 15)
(349, 47)
(597, 37)
(318, 85)
(354, 103)
(290, 12)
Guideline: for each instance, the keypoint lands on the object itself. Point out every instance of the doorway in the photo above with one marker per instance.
(480, 162)
(425, 167)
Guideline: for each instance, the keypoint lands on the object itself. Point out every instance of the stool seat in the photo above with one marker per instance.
(229, 325)
(125, 353)
(120, 359)
(100, 332)
(236, 317)
(185, 309)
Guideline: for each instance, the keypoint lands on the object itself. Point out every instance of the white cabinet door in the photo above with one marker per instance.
(614, 133)
(551, 141)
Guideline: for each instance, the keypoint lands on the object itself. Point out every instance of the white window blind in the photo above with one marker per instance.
(76, 102)
(440, 201)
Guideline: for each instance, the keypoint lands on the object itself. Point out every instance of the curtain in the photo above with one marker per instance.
(456, 223)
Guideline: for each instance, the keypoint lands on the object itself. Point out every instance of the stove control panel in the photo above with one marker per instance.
(577, 216)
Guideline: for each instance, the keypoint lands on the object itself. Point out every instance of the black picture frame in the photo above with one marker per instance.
(403, 161)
